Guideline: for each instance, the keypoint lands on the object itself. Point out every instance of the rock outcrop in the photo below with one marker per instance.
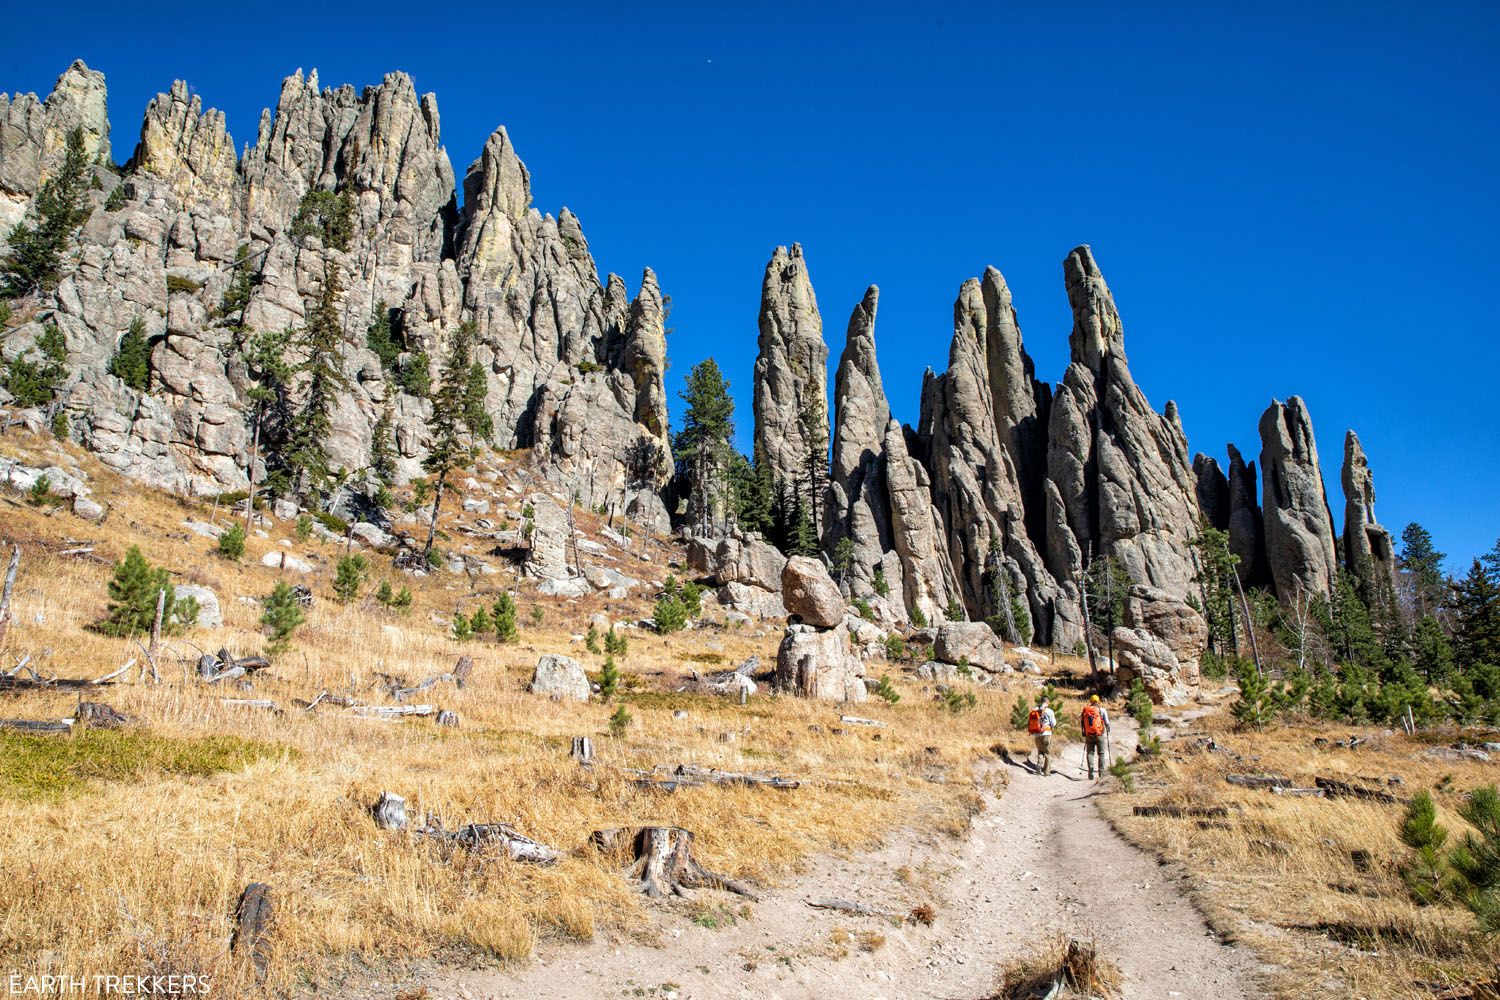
(927, 583)
(817, 663)
(1299, 542)
(1246, 527)
(33, 134)
(1368, 552)
(1121, 470)
(969, 644)
(810, 594)
(791, 370)
(857, 507)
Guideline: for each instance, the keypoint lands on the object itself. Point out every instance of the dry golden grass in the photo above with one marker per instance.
(139, 871)
(1282, 873)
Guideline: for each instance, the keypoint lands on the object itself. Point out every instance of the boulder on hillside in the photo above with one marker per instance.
(974, 643)
(754, 602)
(210, 614)
(736, 559)
(817, 663)
(1173, 621)
(548, 557)
(1143, 656)
(285, 560)
(559, 677)
(810, 593)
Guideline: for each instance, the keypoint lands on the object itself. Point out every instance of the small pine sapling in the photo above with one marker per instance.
(609, 679)
(619, 722)
(280, 618)
(232, 542)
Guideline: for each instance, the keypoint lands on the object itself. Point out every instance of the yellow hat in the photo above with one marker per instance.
(1095, 699)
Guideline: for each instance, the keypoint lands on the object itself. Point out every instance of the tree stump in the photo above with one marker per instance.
(252, 926)
(389, 811)
(583, 749)
(448, 717)
(462, 670)
(662, 859)
(97, 714)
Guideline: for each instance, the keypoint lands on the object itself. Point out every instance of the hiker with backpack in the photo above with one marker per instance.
(1095, 725)
(1039, 724)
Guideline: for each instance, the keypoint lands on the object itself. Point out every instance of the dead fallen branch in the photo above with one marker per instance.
(1258, 780)
(1179, 812)
(9, 588)
(858, 909)
(662, 859)
(1335, 789)
(98, 715)
(854, 720)
(692, 776)
(225, 666)
(38, 725)
(252, 927)
(265, 703)
(475, 837)
(393, 712)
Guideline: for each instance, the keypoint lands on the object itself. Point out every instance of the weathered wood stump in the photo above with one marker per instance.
(475, 837)
(389, 811)
(583, 749)
(252, 927)
(448, 717)
(99, 715)
(461, 671)
(662, 860)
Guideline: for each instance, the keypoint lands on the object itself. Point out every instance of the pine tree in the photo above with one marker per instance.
(132, 361)
(1431, 650)
(477, 419)
(702, 446)
(133, 593)
(232, 542)
(1426, 875)
(591, 639)
(1422, 567)
(1476, 858)
(813, 421)
(383, 450)
(463, 630)
(35, 383)
(415, 378)
(1213, 566)
(1476, 612)
(281, 615)
(264, 355)
(307, 452)
(609, 679)
(615, 643)
(236, 297)
(349, 577)
(752, 494)
(61, 206)
(479, 621)
(505, 618)
(378, 339)
(447, 450)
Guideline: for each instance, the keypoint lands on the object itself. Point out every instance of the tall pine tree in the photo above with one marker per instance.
(453, 406)
(702, 446)
(35, 249)
(307, 452)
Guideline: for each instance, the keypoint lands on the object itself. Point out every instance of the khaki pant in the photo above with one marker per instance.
(1044, 752)
(1093, 746)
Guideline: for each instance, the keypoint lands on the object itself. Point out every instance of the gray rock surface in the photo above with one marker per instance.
(817, 663)
(547, 559)
(1300, 550)
(810, 593)
(928, 583)
(1246, 528)
(559, 677)
(791, 374)
(1368, 551)
(1212, 489)
(736, 558)
(974, 643)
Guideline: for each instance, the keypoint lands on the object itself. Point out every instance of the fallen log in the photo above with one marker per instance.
(1315, 793)
(266, 703)
(1335, 789)
(855, 720)
(252, 927)
(476, 836)
(10, 586)
(110, 677)
(858, 909)
(689, 776)
(662, 860)
(1180, 812)
(1258, 780)
(38, 725)
(393, 711)
(402, 693)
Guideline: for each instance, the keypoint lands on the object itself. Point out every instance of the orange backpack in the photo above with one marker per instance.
(1093, 721)
(1034, 721)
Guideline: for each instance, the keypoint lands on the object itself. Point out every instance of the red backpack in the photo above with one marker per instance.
(1093, 721)
(1034, 721)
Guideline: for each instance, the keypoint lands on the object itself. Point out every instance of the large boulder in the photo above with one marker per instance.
(817, 663)
(1169, 619)
(810, 593)
(736, 559)
(559, 677)
(753, 601)
(974, 643)
(1143, 656)
(210, 614)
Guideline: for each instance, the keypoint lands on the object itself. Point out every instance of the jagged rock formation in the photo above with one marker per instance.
(791, 373)
(33, 133)
(1246, 529)
(573, 367)
(857, 507)
(1121, 470)
(1299, 541)
(1368, 551)
(927, 580)
(1212, 489)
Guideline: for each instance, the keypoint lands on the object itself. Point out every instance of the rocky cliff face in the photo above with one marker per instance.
(573, 368)
(791, 371)
(1368, 552)
(857, 507)
(1300, 549)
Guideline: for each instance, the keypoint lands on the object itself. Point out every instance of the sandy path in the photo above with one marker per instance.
(1039, 861)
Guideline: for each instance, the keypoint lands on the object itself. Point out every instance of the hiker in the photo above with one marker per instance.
(1095, 725)
(1039, 724)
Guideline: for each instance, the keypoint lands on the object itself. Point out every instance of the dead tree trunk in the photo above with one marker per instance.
(252, 926)
(583, 749)
(161, 607)
(662, 859)
(390, 812)
(10, 586)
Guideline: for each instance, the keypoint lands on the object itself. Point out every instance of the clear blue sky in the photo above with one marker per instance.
(1286, 198)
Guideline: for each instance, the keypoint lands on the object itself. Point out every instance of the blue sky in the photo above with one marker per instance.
(1285, 198)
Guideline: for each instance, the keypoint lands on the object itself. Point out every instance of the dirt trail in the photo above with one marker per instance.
(1040, 860)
